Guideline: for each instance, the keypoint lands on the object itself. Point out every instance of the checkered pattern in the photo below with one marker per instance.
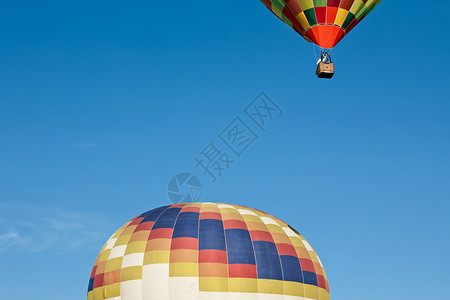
(207, 251)
(323, 22)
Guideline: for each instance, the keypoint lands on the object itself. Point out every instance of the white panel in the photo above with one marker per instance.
(131, 290)
(246, 212)
(214, 296)
(307, 245)
(118, 251)
(225, 206)
(320, 262)
(110, 244)
(289, 231)
(186, 288)
(135, 259)
(296, 298)
(270, 297)
(267, 220)
(243, 296)
(155, 283)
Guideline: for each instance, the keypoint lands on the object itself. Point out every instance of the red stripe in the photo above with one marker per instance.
(98, 281)
(259, 235)
(321, 13)
(144, 226)
(242, 271)
(307, 265)
(286, 249)
(234, 224)
(212, 256)
(161, 233)
(321, 281)
(184, 243)
(191, 209)
(136, 221)
(210, 215)
(94, 269)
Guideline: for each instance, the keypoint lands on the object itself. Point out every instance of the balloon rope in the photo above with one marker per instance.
(314, 49)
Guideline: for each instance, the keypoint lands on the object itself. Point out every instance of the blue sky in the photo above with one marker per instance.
(102, 103)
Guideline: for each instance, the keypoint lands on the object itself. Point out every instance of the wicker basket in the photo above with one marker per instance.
(325, 70)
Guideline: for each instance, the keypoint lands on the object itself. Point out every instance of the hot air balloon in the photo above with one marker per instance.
(207, 251)
(322, 22)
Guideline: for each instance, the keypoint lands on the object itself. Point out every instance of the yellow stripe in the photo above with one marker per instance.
(302, 19)
(156, 257)
(324, 295)
(306, 4)
(135, 247)
(183, 270)
(268, 286)
(114, 264)
(131, 273)
(213, 284)
(243, 285)
(311, 291)
(294, 289)
(341, 15)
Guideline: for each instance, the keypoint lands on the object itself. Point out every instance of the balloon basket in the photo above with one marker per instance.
(325, 70)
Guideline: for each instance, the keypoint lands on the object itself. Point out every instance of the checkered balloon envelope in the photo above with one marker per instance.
(194, 251)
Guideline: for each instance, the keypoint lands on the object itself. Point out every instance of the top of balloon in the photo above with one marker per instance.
(322, 22)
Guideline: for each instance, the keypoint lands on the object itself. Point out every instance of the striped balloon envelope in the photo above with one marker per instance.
(207, 251)
(323, 22)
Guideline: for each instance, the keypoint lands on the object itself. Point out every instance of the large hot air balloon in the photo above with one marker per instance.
(207, 251)
(322, 22)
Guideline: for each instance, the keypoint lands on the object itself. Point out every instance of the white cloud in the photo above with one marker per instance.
(40, 229)
(9, 239)
(84, 145)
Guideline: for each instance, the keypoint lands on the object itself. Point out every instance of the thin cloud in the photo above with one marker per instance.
(41, 229)
(10, 239)
(84, 145)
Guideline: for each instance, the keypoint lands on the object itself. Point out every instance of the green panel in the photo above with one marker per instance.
(348, 20)
(356, 7)
(306, 4)
(372, 6)
(320, 3)
(361, 13)
(279, 4)
(311, 16)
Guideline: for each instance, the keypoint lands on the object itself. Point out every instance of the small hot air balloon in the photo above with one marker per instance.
(207, 251)
(322, 22)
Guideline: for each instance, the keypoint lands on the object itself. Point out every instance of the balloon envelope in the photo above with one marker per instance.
(207, 251)
(323, 22)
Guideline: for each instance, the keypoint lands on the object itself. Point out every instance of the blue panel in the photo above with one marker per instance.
(263, 265)
(189, 215)
(272, 248)
(239, 240)
(167, 218)
(186, 225)
(267, 262)
(241, 257)
(91, 285)
(291, 268)
(310, 278)
(260, 246)
(211, 235)
(152, 215)
(275, 266)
